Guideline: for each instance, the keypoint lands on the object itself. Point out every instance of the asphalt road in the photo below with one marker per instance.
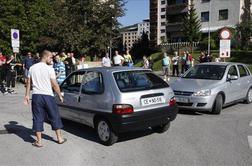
(194, 139)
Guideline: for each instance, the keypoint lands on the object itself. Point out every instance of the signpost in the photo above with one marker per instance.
(225, 43)
(15, 43)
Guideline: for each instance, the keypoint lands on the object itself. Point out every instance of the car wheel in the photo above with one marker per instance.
(105, 132)
(162, 128)
(249, 96)
(217, 107)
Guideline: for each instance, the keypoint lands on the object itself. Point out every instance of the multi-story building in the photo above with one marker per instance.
(132, 33)
(213, 14)
(157, 21)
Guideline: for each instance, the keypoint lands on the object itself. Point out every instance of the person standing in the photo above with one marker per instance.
(145, 63)
(70, 63)
(118, 59)
(43, 80)
(166, 61)
(11, 74)
(2, 72)
(175, 62)
(106, 62)
(128, 59)
(60, 70)
(28, 62)
(183, 62)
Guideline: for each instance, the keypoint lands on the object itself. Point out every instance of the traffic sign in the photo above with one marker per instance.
(225, 33)
(225, 48)
(15, 38)
(15, 49)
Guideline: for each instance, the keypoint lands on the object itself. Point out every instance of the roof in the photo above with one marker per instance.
(219, 63)
(113, 69)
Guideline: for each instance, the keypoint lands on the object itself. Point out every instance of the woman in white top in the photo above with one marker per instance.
(106, 62)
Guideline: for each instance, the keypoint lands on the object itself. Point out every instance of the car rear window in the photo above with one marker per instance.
(130, 81)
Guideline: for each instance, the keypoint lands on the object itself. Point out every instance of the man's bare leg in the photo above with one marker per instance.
(39, 138)
(59, 135)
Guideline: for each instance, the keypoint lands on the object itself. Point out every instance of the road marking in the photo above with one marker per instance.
(250, 141)
(250, 125)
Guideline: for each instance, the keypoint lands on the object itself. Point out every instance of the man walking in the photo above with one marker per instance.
(43, 79)
(2, 72)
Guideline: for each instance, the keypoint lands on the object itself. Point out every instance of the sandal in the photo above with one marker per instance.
(36, 144)
(64, 140)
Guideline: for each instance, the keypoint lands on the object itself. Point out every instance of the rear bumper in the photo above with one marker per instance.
(143, 119)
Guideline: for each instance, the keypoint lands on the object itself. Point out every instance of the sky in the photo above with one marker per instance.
(136, 11)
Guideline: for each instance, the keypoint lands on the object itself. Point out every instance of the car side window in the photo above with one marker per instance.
(243, 72)
(232, 71)
(92, 83)
(73, 83)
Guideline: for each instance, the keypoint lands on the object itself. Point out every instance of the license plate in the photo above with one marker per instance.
(182, 99)
(152, 100)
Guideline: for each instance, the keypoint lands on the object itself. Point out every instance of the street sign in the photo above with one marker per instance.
(15, 38)
(225, 34)
(15, 49)
(225, 48)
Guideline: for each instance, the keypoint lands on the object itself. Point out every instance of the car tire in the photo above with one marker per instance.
(105, 132)
(249, 96)
(162, 128)
(218, 103)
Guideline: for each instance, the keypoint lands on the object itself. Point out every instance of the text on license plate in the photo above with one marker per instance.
(182, 100)
(152, 100)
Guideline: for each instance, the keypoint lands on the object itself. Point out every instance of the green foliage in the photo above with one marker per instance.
(82, 26)
(191, 26)
(141, 47)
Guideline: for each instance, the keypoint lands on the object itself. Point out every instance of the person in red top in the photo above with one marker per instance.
(2, 72)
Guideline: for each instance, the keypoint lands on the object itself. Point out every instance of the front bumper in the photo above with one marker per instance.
(143, 119)
(198, 103)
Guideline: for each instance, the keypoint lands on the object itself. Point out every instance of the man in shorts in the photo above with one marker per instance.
(43, 80)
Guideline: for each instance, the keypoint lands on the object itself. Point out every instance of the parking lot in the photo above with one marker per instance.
(193, 139)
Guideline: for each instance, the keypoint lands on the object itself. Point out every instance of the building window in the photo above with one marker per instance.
(204, 16)
(162, 16)
(223, 14)
(163, 2)
(162, 30)
(203, 1)
(162, 9)
(162, 23)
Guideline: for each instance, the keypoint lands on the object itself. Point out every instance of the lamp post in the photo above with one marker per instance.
(209, 33)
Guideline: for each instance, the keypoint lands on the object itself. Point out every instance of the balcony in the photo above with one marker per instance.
(174, 26)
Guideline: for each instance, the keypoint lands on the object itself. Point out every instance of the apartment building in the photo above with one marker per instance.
(157, 21)
(213, 14)
(132, 33)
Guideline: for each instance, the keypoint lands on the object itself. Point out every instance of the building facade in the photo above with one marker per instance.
(213, 14)
(132, 33)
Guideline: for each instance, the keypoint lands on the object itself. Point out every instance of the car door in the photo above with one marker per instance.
(232, 87)
(244, 80)
(92, 98)
(71, 91)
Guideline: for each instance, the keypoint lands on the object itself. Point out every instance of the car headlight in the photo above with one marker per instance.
(205, 92)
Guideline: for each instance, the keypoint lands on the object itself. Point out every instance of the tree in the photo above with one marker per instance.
(191, 26)
(79, 26)
(244, 29)
(141, 47)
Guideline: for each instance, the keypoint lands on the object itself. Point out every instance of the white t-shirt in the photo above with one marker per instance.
(106, 62)
(41, 75)
(118, 59)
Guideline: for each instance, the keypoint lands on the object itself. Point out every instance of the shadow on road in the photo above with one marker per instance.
(190, 112)
(24, 133)
(89, 133)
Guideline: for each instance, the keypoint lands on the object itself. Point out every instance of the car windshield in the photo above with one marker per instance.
(210, 72)
(129, 81)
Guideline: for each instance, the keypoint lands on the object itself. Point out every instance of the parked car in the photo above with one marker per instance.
(117, 99)
(210, 86)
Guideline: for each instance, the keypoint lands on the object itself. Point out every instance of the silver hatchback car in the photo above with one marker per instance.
(210, 86)
(118, 99)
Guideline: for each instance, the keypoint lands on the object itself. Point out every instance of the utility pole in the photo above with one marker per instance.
(209, 34)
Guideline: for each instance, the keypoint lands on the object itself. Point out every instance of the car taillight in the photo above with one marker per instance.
(172, 102)
(122, 109)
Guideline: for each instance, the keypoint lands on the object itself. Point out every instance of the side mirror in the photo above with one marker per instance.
(232, 77)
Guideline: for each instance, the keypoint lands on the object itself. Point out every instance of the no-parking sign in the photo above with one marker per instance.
(15, 38)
